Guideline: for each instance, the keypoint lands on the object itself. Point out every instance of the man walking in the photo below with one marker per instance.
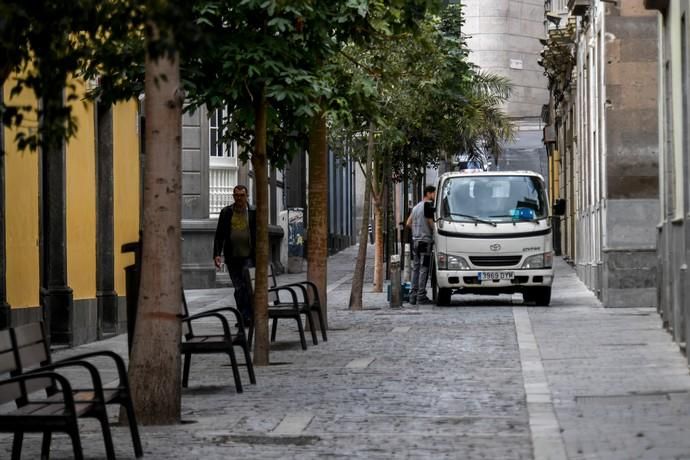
(235, 239)
(422, 240)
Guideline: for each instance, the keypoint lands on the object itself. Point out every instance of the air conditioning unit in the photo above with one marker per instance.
(579, 7)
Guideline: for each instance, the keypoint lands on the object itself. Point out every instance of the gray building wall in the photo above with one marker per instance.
(198, 270)
(603, 110)
(504, 40)
(632, 190)
(673, 235)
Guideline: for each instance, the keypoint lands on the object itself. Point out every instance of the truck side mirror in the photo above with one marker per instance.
(559, 207)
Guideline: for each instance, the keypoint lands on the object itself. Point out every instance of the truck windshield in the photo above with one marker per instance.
(494, 198)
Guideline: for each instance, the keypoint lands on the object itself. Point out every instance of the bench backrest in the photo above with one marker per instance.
(272, 280)
(28, 349)
(32, 346)
(8, 367)
(312, 296)
(31, 351)
(8, 362)
(250, 279)
(186, 325)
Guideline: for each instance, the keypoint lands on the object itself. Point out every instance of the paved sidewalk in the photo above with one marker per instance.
(486, 378)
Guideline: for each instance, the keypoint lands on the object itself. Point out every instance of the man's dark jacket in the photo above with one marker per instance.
(222, 239)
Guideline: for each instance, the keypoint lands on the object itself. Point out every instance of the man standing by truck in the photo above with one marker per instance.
(422, 224)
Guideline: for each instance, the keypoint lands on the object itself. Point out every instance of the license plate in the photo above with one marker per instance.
(495, 276)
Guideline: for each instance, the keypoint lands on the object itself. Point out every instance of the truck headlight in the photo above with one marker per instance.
(451, 262)
(544, 260)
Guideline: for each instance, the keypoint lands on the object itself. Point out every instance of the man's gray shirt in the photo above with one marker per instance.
(420, 226)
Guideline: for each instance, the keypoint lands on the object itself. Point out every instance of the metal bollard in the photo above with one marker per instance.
(407, 270)
(396, 298)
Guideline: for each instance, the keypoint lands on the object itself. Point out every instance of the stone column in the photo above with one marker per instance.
(56, 296)
(105, 257)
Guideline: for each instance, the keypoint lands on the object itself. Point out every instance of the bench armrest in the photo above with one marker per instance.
(236, 314)
(306, 286)
(65, 387)
(293, 295)
(119, 362)
(232, 310)
(92, 370)
(213, 314)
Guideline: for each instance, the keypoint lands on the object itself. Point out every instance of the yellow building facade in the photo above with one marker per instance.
(99, 211)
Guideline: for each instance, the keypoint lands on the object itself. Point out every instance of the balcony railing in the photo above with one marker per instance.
(222, 179)
(579, 7)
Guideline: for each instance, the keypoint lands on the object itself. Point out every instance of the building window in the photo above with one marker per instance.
(222, 164)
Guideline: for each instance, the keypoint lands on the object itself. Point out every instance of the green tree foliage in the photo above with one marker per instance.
(58, 39)
(428, 100)
(42, 43)
(271, 61)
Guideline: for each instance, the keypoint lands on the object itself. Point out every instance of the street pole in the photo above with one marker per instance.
(396, 301)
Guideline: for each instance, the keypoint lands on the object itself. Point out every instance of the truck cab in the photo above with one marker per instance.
(493, 235)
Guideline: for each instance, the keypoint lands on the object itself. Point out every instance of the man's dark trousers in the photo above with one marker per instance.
(236, 266)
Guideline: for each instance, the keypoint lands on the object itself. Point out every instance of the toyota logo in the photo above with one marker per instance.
(495, 247)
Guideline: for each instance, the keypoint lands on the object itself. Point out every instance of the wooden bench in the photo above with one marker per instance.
(285, 307)
(46, 401)
(223, 342)
(308, 304)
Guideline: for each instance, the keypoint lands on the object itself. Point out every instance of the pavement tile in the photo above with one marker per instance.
(430, 383)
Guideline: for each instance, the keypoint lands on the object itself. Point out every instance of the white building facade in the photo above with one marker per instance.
(673, 75)
(601, 58)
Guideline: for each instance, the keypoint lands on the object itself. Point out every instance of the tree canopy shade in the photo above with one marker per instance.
(41, 43)
(270, 67)
(428, 103)
(433, 103)
(283, 70)
(57, 39)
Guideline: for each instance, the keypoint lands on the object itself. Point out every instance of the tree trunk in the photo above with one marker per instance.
(377, 199)
(360, 265)
(403, 234)
(260, 165)
(391, 227)
(378, 245)
(317, 232)
(154, 367)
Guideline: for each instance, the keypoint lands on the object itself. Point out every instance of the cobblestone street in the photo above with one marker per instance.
(485, 378)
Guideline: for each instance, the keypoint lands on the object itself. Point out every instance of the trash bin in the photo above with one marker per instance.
(404, 291)
(132, 277)
(295, 240)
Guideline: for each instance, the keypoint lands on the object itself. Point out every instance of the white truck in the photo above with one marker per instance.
(493, 236)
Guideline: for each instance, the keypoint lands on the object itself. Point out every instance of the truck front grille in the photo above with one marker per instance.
(495, 261)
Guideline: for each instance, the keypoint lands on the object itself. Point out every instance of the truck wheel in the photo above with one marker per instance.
(443, 297)
(541, 296)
